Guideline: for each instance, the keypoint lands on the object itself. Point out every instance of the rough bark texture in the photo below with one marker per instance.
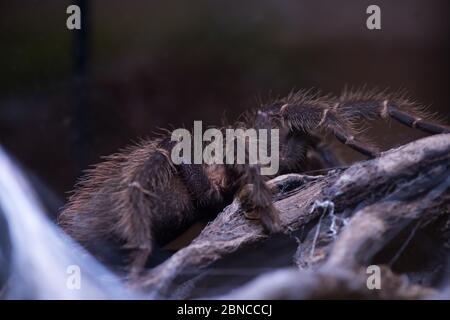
(392, 211)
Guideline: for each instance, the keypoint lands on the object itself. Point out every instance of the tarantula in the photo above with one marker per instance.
(139, 198)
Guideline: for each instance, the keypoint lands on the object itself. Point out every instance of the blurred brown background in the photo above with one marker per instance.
(149, 64)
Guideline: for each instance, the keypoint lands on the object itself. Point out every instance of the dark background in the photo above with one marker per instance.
(67, 98)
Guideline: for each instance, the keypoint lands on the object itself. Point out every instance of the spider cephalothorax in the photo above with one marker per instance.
(139, 197)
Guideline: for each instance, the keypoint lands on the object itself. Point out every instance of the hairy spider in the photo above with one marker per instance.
(139, 198)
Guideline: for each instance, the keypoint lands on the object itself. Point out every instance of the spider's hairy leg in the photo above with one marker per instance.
(372, 104)
(140, 204)
(313, 117)
(346, 137)
(253, 193)
(300, 153)
(255, 197)
(416, 121)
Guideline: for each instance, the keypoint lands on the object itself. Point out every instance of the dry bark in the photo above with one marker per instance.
(374, 212)
(328, 284)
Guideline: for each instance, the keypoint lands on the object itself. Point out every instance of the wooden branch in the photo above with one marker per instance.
(355, 213)
(327, 284)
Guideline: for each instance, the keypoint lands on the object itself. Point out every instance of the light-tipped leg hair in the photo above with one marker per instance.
(372, 104)
(310, 117)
